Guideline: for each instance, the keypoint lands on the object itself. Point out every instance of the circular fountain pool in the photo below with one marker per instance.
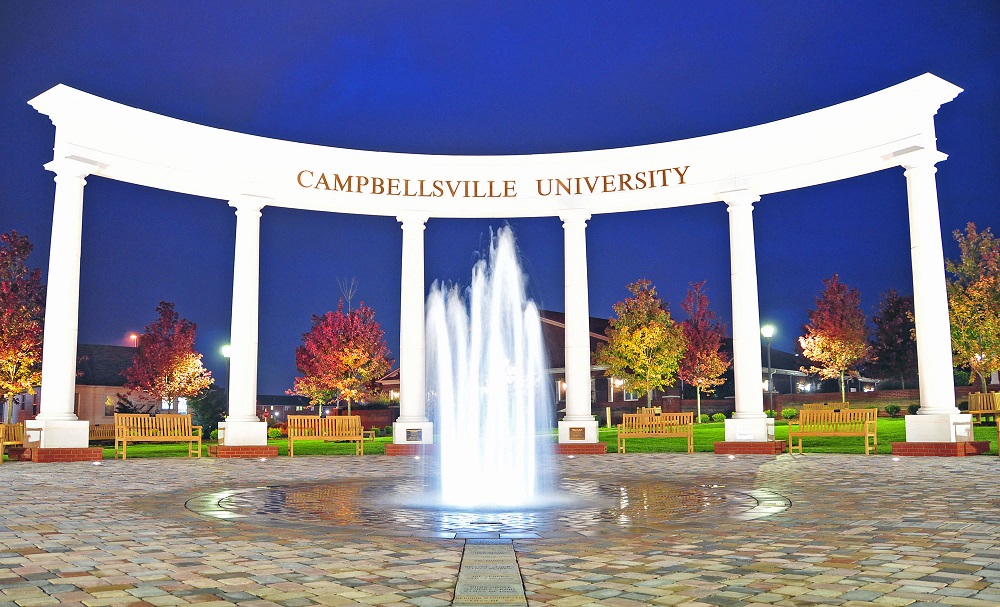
(398, 507)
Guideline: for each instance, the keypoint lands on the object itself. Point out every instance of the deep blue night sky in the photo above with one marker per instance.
(494, 78)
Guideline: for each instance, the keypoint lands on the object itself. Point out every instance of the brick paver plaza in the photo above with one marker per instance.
(665, 529)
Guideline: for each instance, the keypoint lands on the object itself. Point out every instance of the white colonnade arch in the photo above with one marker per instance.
(890, 128)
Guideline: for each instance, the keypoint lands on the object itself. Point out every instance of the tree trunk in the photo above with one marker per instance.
(982, 378)
(9, 413)
(843, 393)
(649, 398)
(348, 406)
(902, 382)
(697, 393)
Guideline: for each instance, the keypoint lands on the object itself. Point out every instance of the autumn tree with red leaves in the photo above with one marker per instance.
(22, 310)
(836, 335)
(893, 351)
(341, 357)
(704, 361)
(166, 365)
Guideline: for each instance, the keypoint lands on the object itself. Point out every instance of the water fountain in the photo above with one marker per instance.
(486, 373)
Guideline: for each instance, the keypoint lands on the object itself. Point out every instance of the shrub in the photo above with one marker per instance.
(388, 431)
(214, 434)
(703, 418)
(912, 409)
(892, 410)
(789, 413)
(769, 413)
(274, 432)
(719, 417)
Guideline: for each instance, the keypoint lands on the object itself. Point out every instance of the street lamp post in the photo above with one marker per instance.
(768, 332)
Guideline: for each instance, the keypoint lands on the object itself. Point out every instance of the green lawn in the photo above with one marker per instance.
(705, 437)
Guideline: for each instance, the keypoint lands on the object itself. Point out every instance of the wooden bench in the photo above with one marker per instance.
(825, 406)
(649, 410)
(982, 406)
(664, 425)
(162, 428)
(11, 435)
(849, 422)
(101, 432)
(335, 428)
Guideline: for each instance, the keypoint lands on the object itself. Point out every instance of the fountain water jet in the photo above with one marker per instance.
(486, 374)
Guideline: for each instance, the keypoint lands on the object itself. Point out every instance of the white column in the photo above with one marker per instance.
(748, 422)
(412, 426)
(59, 424)
(579, 425)
(938, 416)
(242, 427)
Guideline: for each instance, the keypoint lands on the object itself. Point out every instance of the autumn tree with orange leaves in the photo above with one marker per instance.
(644, 344)
(341, 357)
(974, 303)
(166, 365)
(704, 361)
(836, 335)
(22, 310)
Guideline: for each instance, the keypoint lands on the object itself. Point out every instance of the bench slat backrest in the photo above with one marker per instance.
(314, 425)
(142, 424)
(664, 422)
(984, 402)
(173, 424)
(825, 406)
(850, 420)
(12, 434)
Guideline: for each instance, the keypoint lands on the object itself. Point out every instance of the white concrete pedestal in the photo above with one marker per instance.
(939, 428)
(413, 433)
(62, 434)
(569, 431)
(752, 430)
(243, 434)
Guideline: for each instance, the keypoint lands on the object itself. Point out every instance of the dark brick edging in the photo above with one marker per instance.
(941, 449)
(248, 451)
(750, 448)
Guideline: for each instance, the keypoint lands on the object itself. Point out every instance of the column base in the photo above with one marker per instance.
(941, 449)
(412, 433)
(57, 434)
(581, 448)
(243, 434)
(750, 430)
(55, 454)
(939, 428)
(575, 432)
(242, 451)
(411, 449)
(772, 447)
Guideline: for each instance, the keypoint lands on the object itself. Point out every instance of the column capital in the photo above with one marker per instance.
(920, 158)
(72, 167)
(413, 218)
(734, 198)
(249, 202)
(574, 216)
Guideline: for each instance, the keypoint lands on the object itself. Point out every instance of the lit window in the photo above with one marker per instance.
(182, 405)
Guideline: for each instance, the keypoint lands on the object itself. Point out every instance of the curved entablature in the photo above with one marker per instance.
(852, 138)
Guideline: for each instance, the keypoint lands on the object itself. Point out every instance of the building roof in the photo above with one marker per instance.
(101, 365)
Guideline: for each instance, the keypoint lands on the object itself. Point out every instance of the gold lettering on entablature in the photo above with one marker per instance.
(611, 182)
(406, 187)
